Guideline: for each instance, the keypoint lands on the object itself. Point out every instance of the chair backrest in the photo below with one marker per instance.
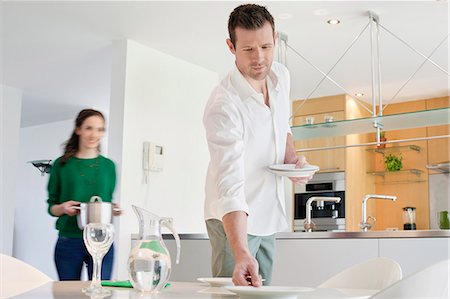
(17, 277)
(373, 274)
(432, 282)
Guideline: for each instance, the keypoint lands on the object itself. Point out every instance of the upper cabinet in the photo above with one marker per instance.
(438, 149)
(318, 111)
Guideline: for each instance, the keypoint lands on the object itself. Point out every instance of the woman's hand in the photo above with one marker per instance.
(67, 208)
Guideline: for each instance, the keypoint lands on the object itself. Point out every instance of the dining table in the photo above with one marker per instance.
(178, 290)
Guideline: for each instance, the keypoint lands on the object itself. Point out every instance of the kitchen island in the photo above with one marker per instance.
(308, 259)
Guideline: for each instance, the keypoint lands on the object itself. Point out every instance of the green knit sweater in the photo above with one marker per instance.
(79, 180)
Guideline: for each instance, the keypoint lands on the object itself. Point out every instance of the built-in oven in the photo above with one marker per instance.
(327, 216)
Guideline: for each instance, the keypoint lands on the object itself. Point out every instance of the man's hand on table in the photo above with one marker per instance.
(246, 271)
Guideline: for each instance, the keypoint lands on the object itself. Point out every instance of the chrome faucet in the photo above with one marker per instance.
(308, 224)
(365, 224)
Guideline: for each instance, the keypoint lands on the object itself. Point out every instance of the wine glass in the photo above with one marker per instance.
(98, 238)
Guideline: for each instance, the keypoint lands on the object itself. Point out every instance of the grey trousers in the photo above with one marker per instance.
(222, 260)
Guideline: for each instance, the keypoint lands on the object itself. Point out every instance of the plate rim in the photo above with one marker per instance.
(215, 280)
(252, 290)
(299, 174)
(313, 168)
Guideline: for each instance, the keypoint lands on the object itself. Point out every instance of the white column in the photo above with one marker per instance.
(160, 98)
(11, 102)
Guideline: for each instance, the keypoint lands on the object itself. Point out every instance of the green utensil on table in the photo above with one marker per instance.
(121, 284)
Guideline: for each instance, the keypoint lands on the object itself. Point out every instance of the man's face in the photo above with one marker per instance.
(253, 50)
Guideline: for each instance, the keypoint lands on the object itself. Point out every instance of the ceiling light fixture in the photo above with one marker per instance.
(359, 94)
(333, 21)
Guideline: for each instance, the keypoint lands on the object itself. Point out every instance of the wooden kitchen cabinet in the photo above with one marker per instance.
(320, 109)
(411, 190)
(438, 149)
(364, 169)
(327, 160)
(353, 161)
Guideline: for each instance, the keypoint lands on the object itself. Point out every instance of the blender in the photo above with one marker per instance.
(409, 218)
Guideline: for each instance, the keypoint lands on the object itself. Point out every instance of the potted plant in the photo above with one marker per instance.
(382, 139)
(393, 162)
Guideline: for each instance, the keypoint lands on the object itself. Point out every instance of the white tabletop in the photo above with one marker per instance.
(185, 290)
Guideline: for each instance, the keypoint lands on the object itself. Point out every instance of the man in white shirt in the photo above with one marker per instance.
(247, 127)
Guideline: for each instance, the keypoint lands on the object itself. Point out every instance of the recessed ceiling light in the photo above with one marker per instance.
(333, 21)
(359, 94)
(284, 16)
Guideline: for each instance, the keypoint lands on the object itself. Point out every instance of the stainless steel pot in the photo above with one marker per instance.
(94, 211)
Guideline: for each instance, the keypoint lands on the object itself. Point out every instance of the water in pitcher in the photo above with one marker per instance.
(149, 266)
(149, 262)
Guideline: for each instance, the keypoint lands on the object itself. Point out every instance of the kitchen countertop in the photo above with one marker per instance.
(337, 235)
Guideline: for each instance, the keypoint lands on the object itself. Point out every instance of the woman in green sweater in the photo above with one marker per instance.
(75, 177)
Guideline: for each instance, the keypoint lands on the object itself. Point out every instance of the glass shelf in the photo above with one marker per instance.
(400, 182)
(383, 173)
(394, 149)
(424, 118)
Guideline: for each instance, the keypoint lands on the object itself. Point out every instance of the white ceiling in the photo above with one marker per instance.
(59, 53)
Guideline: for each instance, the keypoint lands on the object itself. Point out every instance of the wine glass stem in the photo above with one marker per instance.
(96, 273)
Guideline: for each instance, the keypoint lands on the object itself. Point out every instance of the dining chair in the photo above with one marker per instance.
(431, 282)
(17, 277)
(374, 274)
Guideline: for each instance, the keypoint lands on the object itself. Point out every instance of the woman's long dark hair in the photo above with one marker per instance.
(71, 145)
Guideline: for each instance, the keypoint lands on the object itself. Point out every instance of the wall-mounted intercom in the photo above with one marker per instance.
(153, 157)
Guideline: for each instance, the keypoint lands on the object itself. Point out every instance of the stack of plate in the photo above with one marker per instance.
(289, 170)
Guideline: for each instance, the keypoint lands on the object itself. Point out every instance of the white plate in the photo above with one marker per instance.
(291, 167)
(217, 281)
(215, 291)
(289, 170)
(272, 292)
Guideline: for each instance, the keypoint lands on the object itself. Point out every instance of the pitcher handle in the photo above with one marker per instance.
(168, 222)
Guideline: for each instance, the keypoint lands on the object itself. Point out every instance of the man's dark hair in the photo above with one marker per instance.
(250, 17)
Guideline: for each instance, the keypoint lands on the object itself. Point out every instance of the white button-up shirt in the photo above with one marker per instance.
(244, 137)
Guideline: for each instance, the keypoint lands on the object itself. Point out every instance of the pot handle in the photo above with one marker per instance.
(96, 198)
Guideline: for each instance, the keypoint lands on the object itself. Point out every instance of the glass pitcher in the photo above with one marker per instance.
(149, 262)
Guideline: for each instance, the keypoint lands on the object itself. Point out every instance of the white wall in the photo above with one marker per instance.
(161, 99)
(10, 124)
(34, 233)
(31, 218)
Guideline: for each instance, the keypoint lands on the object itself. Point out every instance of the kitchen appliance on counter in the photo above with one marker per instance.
(409, 218)
(327, 216)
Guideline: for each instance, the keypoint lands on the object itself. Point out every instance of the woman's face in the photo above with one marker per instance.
(90, 132)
